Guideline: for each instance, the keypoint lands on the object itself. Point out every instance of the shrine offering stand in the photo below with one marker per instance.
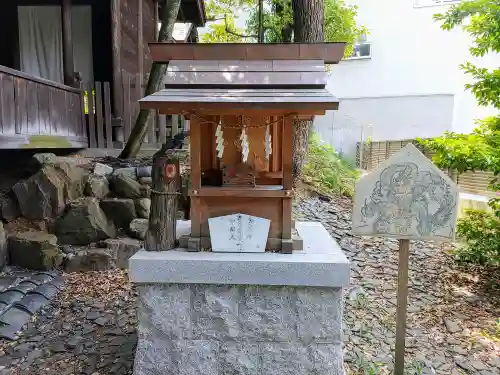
(212, 313)
(267, 298)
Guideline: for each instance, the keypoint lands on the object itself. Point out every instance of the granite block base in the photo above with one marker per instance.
(210, 313)
(193, 329)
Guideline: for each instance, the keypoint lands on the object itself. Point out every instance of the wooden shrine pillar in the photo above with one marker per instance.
(287, 165)
(67, 45)
(116, 43)
(194, 243)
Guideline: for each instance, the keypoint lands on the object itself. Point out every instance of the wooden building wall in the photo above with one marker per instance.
(134, 28)
(137, 19)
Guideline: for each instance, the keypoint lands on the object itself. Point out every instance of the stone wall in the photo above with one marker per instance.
(80, 207)
(196, 329)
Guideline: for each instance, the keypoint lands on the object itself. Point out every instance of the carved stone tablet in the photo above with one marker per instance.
(239, 233)
(407, 197)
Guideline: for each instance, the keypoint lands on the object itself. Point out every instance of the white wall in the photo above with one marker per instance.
(411, 56)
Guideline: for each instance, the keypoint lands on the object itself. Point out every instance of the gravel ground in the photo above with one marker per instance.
(452, 314)
(88, 329)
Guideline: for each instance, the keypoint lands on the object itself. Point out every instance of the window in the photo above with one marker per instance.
(362, 49)
(431, 3)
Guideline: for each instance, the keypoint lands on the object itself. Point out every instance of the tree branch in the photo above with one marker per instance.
(229, 31)
(213, 19)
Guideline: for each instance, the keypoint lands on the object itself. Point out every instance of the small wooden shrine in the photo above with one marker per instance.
(242, 100)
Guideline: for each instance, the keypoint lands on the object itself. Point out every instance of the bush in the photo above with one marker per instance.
(326, 171)
(481, 232)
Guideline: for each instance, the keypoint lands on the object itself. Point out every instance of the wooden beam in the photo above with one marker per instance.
(41, 81)
(181, 109)
(278, 107)
(156, 20)
(67, 45)
(287, 153)
(195, 145)
(260, 191)
(140, 40)
(331, 53)
(116, 49)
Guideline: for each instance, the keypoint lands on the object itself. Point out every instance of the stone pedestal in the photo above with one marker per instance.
(242, 314)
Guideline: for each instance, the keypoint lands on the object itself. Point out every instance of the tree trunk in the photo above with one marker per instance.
(169, 13)
(287, 32)
(161, 234)
(261, 22)
(308, 22)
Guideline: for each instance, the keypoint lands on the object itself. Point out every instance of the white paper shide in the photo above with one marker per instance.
(219, 140)
(239, 233)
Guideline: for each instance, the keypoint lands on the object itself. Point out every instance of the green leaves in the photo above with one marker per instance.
(464, 152)
(340, 22)
(218, 33)
(481, 232)
(326, 171)
(479, 150)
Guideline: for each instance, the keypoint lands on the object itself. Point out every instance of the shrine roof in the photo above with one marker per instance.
(330, 53)
(246, 74)
(296, 100)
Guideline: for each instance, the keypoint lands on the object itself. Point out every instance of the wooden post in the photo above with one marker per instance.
(67, 45)
(161, 234)
(175, 125)
(116, 43)
(140, 42)
(399, 357)
(156, 20)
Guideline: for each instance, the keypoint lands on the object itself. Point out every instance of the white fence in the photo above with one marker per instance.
(344, 136)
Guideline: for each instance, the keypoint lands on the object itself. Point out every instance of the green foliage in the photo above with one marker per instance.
(278, 15)
(481, 19)
(481, 232)
(218, 33)
(222, 13)
(340, 24)
(363, 366)
(480, 149)
(326, 171)
(340, 21)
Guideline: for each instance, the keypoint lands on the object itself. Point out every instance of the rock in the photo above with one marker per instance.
(3, 247)
(143, 207)
(120, 210)
(34, 250)
(9, 208)
(102, 169)
(146, 181)
(452, 326)
(93, 315)
(146, 191)
(494, 362)
(97, 186)
(101, 322)
(46, 193)
(143, 171)
(122, 249)
(84, 223)
(129, 172)
(138, 228)
(126, 186)
(90, 260)
(41, 159)
(478, 365)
